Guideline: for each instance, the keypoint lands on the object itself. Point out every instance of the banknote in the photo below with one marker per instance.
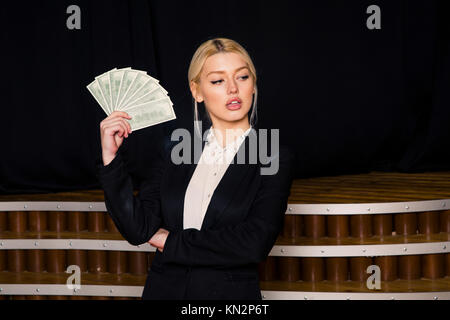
(135, 92)
(155, 94)
(127, 80)
(151, 113)
(96, 91)
(103, 81)
(115, 80)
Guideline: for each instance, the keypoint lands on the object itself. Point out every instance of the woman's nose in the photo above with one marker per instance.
(232, 87)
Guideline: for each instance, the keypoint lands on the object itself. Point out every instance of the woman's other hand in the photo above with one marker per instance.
(159, 239)
(113, 129)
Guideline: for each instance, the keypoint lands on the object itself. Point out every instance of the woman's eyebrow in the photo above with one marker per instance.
(220, 71)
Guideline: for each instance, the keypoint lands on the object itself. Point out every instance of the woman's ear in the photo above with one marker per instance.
(196, 93)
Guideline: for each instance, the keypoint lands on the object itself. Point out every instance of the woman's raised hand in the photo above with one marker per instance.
(113, 130)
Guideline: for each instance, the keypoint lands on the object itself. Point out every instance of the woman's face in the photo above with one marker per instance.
(226, 87)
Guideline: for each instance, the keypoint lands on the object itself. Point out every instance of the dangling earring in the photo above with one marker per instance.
(254, 115)
(196, 120)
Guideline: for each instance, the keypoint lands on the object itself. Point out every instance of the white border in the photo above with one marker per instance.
(136, 291)
(303, 295)
(303, 209)
(371, 250)
(68, 244)
(61, 289)
(277, 250)
(51, 206)
(369, 208)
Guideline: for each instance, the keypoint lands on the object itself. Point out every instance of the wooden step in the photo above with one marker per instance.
(376, 240)
(359, 188)
(106, 279)
(371, 187)
(419, 285)
(61, 235)
(281, 240)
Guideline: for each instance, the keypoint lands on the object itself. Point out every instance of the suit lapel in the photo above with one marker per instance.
(181, 176)
(223, 194)
(228, 186)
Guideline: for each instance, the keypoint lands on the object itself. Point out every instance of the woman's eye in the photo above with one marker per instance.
(216, 82)
(244, 77)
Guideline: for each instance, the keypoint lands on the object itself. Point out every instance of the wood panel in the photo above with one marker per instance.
(376, 240)
(419, 285)
(371, 187)
(107, 279)
(281, 240)
(358, 188)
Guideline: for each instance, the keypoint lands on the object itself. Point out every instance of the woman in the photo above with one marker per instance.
(212, 221)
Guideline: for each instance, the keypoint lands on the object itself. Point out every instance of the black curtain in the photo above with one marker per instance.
(347, 99)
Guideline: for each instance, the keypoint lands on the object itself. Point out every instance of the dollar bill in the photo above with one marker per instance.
(154, 95)
(96, 91)
(105, 86)
(151, 113)
(138, 82)
(134, 92)
(115, 80)
(128, 78)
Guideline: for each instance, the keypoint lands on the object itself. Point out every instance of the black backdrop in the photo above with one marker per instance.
(346, 98)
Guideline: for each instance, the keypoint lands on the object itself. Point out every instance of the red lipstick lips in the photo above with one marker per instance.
(234, 104)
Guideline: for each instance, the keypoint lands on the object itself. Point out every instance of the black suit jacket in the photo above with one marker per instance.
(240, 227)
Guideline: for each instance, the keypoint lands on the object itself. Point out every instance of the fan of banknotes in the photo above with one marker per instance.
(134, 92)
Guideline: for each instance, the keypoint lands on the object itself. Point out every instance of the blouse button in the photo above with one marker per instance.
(209, 195)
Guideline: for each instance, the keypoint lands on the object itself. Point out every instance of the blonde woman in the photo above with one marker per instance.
(213, 220)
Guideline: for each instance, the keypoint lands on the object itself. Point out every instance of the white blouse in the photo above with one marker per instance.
(210, 169)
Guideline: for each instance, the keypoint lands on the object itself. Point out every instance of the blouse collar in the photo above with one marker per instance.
(211, 139)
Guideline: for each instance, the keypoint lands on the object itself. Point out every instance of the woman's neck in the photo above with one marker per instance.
(228, 132)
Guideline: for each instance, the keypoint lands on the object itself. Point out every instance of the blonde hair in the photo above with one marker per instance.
(206, 50)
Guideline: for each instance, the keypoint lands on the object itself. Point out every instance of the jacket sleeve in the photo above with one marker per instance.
(249, 241)
(136, 217)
